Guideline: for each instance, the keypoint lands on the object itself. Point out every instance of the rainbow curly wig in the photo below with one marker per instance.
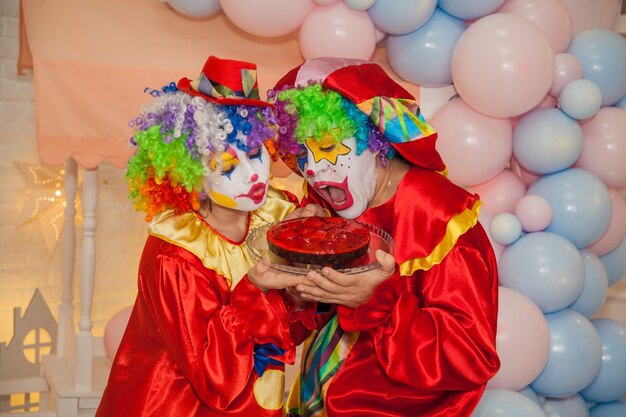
(176, 137)
(314, 112)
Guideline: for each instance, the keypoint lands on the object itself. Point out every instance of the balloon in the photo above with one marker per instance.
(552, 17)
(614, 409)
(602, 54)
(196, 8)
(580, 202)
(580, 99)
(621, 103)
(610, 382)
(532, 395)
(337, 31)
(604, 147)
(114, 330)
(398, 17)
(360, 5)
(268, 18)
(424, 56)
(533, 212)
(526, 176)
(506, 403)
(501, 193)
(575, 355)
(615, 263)
(595, 287)
(505, 228)
(522, 341)
(547, 141)
(484, 217)
(572, 406)
(592, 14)
(567, 68)
(616, 230)
(469, 10)
(545, 267)
(475, 147)
(325, 2)
(503, 65)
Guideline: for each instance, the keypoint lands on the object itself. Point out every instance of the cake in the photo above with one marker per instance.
(330, 241)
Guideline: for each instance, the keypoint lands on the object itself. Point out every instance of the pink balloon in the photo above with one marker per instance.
(567, 68)
(526, 176)
(616, 230)
(475, 147)
(588, 14)
(533, 212)
(501, 192)
(114, 330)
(551, 16)
(604, 147)
(268, 18)
(337, 31)
(503, 65)
(522, 341)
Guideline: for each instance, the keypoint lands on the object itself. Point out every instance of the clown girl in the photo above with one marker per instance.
(419, 339)
(203, 339)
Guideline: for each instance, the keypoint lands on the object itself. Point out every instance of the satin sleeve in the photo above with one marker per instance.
(209, 332)
(435, 331)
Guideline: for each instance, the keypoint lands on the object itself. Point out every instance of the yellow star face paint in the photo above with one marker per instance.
(327, 149)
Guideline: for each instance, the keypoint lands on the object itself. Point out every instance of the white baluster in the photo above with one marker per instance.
(66, 309)
(84, 339)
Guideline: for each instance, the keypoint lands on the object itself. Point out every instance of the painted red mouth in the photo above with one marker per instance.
(335, 193)
(256, 192)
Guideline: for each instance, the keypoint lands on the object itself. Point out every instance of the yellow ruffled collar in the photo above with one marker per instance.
(232, 260)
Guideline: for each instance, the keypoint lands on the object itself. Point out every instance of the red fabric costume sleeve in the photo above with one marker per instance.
(449, 327)
(209, 332)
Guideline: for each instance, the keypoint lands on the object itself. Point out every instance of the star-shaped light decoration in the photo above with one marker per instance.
(46, 201)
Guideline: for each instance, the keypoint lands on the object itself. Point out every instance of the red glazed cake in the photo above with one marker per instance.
(319, 240)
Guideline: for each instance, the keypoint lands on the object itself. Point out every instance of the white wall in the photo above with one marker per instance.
(24, 260)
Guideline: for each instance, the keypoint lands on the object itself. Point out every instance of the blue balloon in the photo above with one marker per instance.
(572, 406)
(545, 267)
(532, 395)
(547, 140)
(621, 103)
(575, 355)
(616, 409)
(615, 263)
(581, 204)
(505, 228)
(506, 403)
(468, 10)
(602, 54)
(397, 17)
(424, 57)
(580, 99)
(610, 383)
(595, 288)
(196, 8)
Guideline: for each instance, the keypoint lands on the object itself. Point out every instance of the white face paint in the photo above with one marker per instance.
(347, 181)
(245, 176)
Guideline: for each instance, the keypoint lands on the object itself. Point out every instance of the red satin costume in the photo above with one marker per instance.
(189, 345)
(425, 344)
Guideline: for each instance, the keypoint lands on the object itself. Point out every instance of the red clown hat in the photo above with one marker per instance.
(225, 81)
(391, 108)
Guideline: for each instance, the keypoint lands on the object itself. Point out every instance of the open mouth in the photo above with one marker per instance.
(256, 193)
(336, 194)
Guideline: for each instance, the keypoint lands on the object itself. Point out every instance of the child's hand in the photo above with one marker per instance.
(265, 278)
